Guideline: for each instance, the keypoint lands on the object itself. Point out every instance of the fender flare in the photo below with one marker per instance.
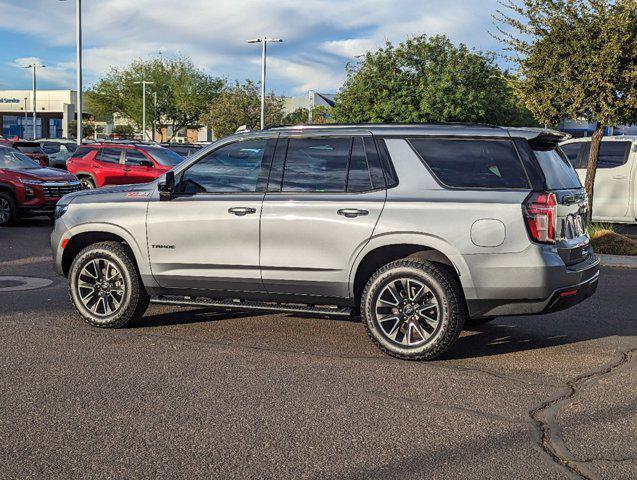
(415, 238)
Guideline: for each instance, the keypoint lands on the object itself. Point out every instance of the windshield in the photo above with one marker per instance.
(163, 156)
(559, 172)
(28, 148)
(13, 160)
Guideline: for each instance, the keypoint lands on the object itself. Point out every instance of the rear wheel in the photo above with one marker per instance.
(413, 309)
(106, 288)
(87, 183)
(8, 210)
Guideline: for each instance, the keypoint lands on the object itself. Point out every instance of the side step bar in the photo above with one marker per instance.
(250, 305)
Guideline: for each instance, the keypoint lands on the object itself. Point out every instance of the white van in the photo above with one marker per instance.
(615, 193)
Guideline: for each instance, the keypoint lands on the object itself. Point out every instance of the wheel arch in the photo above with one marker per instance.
(86, 235)
(383, 250)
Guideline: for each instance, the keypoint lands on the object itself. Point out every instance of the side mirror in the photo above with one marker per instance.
(146, 163)
(167, 187)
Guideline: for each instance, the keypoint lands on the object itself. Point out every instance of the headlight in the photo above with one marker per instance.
(26, 181)
(60, 210)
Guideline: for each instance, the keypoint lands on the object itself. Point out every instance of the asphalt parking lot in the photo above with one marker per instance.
(190, 393)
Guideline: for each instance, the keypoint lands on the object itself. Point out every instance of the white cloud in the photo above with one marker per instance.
(57, 74)
(320, 35)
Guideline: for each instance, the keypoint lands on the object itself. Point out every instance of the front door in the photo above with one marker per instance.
(207, 236)
(324, 199)
(110, 163)
(138, 167)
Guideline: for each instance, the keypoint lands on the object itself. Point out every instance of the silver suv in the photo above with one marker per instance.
(417, 228)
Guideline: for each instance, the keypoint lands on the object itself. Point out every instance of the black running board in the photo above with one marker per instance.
(251, 305)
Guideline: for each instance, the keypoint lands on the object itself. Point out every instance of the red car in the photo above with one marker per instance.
(28, 189)
(100, 164)
(30, 149)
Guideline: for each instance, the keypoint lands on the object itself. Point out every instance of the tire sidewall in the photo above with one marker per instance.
(12, 208)
(368, 309)
(83, 258)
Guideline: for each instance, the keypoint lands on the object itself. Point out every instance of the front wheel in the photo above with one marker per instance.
(106, 288)
(87, 183)
(413, 309)
(8, 210)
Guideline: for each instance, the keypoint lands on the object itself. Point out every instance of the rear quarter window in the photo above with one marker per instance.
(473, 163)
(558, 170)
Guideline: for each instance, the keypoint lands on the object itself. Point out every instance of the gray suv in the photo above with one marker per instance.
(419, 229)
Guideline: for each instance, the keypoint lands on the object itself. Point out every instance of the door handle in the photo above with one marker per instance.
(352, 212)
(241, 211)
(620, 177)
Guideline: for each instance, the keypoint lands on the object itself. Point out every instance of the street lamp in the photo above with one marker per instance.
(144, 83)
(78, 66)
(34, 67)
(264, 46)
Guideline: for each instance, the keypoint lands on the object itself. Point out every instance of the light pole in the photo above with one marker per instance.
(26, 115)
(144, 83)
(154, 116)
(264, 47)
(78, 66)
(34, 67)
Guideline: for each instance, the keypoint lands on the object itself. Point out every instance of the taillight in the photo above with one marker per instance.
(540, 211)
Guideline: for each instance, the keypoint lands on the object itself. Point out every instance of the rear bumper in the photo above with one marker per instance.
(550, 286)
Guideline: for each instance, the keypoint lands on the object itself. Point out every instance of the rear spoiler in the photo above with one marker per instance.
(540, 138)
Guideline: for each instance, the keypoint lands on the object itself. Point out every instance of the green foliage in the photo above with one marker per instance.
(297, 117)
(320, 115)
(184, 93)
(124, 131)
(87, 129)
(576, 58)
(241, 105)
(429, 80)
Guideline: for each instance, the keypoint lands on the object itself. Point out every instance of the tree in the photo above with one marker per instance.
(124, 131)
(320, 115)
(241, 105)
(183, 93)
(428, 80)
(87, 129)
(577, 59)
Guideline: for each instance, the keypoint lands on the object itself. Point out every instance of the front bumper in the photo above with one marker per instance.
(60, 231)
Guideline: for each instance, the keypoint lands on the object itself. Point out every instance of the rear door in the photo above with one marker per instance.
(324, 198)
(138, 167)
(109, 165)
(613, 180)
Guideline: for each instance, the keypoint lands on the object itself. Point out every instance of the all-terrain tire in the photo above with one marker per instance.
(134, 300)
(444, 288)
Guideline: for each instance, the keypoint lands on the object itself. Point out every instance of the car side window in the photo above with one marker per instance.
(572, 152)
(109, 155)
(316, 164)
(358, 177)
(613, 154)
(234, 168)
(473, 163)
(135, 157)
(50, 148)
(80, 152)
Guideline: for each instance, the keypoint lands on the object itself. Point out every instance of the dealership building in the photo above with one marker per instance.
(55, 110)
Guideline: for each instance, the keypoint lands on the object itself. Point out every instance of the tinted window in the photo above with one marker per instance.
(71, 147)
(232, 168)
(28, 148)
(473, 163)
(134, 157)
(13, 160)
(613, 154)
(109, 155)
(50, 148)
(571, 150)
(80, 152)
(358, 178)
(558, 171)
(316, 165)
(163, 156)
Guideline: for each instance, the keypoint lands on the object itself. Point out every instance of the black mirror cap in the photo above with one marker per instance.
(167, 187)
(146, 163)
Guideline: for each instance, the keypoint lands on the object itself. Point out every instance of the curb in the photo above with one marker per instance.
(625, 261)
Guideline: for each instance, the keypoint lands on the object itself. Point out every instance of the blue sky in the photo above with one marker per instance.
(321, 36)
